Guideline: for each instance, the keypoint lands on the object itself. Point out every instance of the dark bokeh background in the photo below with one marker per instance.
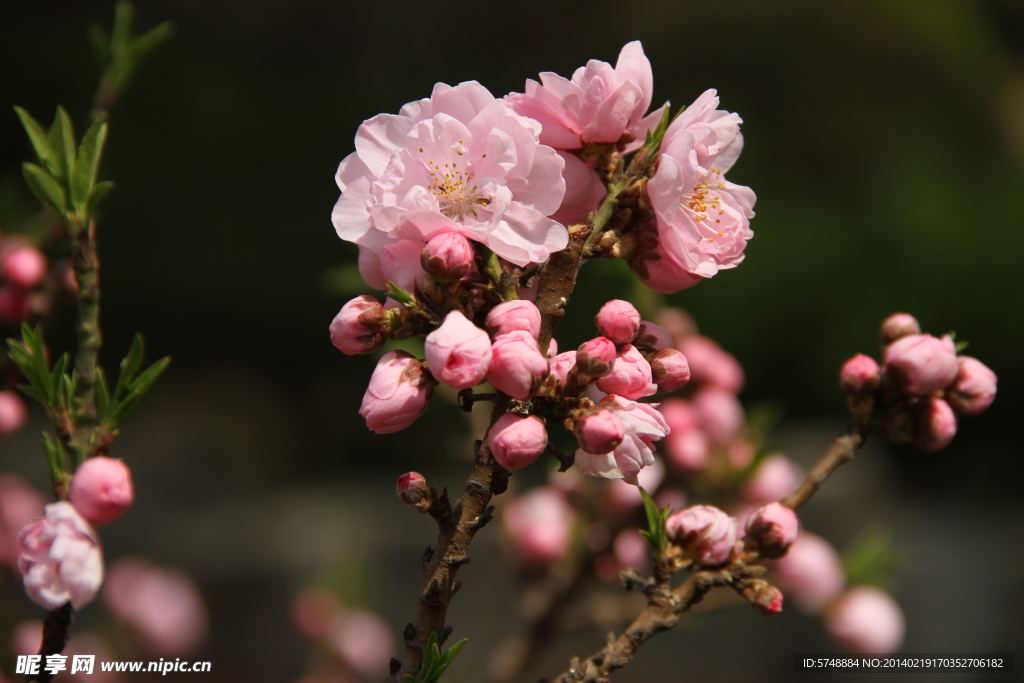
(885, 141)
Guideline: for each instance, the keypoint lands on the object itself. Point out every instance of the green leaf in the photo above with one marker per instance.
(139, 388)
(119, 37)
(29, 356)
(56, 457)
(145, 44)
(62, 137)
(871, 558)
(100, 42)
(102, 394)
(99, 191)
(129, 367)
(40, 142)
(434, 663)
(655, 534)
(45, 187)
(961, 346)
(400, 295)
(89, 153)
(654, 137)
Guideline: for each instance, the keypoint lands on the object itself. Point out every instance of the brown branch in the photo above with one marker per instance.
(841, 452)
(56, 629)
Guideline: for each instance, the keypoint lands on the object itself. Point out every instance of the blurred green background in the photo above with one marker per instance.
(884, 139)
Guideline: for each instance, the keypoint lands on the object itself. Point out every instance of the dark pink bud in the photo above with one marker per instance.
(447, 256)
(517, 440)
(599, 431)
(24, 266)
(860, 375)
(773, 529)
(595, 358)
(14, 305)
(12, 412)
(934, 424)
(518, 314)
(411, 488)
(517, 365)
(706, 533)
(561, 365)
(974, 389)
(630, 376)
(360, 326)
(398, 393)
(101, 489)
(618, 320)
(762, 595)
(897, 326)
(920, 364)
(652, 338)
(669, 369)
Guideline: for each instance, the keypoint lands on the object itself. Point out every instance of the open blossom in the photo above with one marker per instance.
(61, 560)
(459, 161)
(397, 394)
(458, 353)
(703, 220)
(643, 425)
(599, 104)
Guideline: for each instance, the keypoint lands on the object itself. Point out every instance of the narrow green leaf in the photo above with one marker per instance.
(89, 154)
(448, 657)
(657, 135)
(45, 187)
(656, 535)
(100, 42)
(57, 377)
(56, 459)
(62, 137)
(119, 37)
(99, 191)
(102, 394)
(145, 44)
(400, 295)
(961, 346)
(130, 367)
(139, 388)
(40, 142)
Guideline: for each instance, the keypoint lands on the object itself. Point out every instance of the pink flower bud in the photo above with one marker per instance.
(162, 605)
(517, 440)
(860, 375)
(773, 529)
(360, 326)
(517, 314)
(709, 364)
(19, 505)
(411, 487)
(458, 353)
(775, 478)
(12, 412)
(14, 305)
(719, 414)
(974, 389)
(61, 560)
(920, 364)
(650, 337)
(643, 426)
(101, 489)
(934, 424)
(397, 394)
(669, 369)
(618, 320)
(539, 524)
(811, 573)
(447, 256)
(769, 600)
(596, 358)
(706, 533)
(363, 640)
(897, 326)
(517, 366)
(561, 365)
(24, 266)
(630, 377)
(677, 322)
(866, 620)
(599, 431)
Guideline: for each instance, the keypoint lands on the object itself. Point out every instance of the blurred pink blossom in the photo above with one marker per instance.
(866, 620)
(19, 504)
(811, 573)
(539, 524)
(61, 560)
(364, 640)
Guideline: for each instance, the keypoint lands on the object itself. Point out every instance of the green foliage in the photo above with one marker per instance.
(657, 134)
(400, 295)
(656, 534)
(45, 384)
(435, 663)
(114, 408)
(119, 53)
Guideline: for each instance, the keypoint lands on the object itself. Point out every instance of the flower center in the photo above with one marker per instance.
(703, 203)
(456, 192)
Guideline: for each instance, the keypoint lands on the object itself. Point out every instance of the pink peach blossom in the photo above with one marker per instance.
(561, 365)
(61, 560)
(401, 263)
(24, 266)
(773, 528)
(974, 389)
(618, 320)
(517, 365)
(517, 314)
(539, 524)
(669, 369)
(364, 641)
(811, 573)
(458, 353)
(398, 393)
(631, 376)
(13, 412)
(599, 431)
(459, 161)
(706, 533)
(595, 358)
(359, 326)
(583, 191)
(600, 104)
(775, 478)
(719, 414)
(934, 424)
(517, 440)
(643, 426)
(920, 364)
(866, 620)
(860, 375)
(101, 489)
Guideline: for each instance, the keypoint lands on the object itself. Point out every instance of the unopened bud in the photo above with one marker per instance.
(518, 314)
(595, 359)
(618, 320)
(447, 256)
(762, 595)
(974, 389)
(412, 489)
(899, 325)
(669, 369)
(630, 376)
(860, 375)
(24, 266)
(517, 440)
(920, 364)
(517, 365)
(773, 529)
(651, 337)
(934, 424)
(599, 431)
(360, 326)
(101, 489)
(706, 533)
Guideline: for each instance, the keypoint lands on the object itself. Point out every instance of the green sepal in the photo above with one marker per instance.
(62, 138)
(656, 534)
(40, 141)
(434, 663)
(89, 152)
(45, 187)
(657, 134)
(400, 295)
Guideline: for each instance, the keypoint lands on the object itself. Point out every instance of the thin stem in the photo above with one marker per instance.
(85, 260)
(841, 452)
(56, 628)
(605, 211)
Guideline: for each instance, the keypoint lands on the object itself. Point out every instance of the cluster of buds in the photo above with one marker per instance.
(920, 388)
(61, 559)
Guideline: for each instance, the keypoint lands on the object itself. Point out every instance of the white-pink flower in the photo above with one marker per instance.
(459, 161)
(61, 560)
(643, 426)
(600, 104)
(703, 219)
